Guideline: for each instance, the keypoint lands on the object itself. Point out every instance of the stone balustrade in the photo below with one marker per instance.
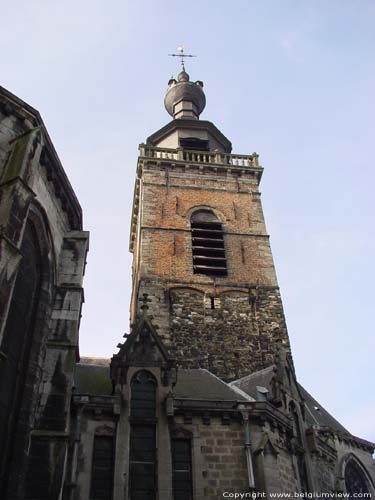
(202, 157)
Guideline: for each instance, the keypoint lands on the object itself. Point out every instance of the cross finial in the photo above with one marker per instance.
(181, 54)
(144, 301)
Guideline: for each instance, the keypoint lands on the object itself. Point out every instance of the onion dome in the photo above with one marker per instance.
(184, 99)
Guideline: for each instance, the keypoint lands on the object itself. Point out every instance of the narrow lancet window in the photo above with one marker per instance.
(181, 463)
(208, 244)
(143, 395)
(142, 474)
(102, 468)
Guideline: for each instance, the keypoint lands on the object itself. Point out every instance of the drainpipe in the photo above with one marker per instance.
(249, 458)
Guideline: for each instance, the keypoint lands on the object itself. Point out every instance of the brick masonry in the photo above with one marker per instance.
(229, 325)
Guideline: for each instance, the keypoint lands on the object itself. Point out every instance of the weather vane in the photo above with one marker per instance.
(181, 54)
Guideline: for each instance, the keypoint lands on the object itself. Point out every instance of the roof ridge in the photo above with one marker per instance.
(93, 360)
(229, 386)
(247, 377)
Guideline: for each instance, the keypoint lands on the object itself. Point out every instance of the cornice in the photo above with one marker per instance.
(31, 118)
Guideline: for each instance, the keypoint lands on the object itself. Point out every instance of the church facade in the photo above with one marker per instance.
(201, 401)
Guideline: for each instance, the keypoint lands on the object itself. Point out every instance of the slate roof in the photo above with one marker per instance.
(249, 383)
(92, 377)
(315, 413)
(202, 384)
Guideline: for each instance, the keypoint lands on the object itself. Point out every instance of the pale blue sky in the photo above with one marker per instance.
(292, 80)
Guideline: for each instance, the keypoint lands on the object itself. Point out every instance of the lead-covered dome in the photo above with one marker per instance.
(184, 99)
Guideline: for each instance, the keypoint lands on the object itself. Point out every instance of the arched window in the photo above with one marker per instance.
(208, 244)
(143, 395)
(142, 470)
(355, 479)
(16, 347)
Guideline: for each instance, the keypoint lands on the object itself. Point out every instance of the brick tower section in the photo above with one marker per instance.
(229, 324)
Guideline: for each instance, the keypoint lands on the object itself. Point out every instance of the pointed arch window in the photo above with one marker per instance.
(143, 395)
(208, 244)
(355, 479)
(17, 346)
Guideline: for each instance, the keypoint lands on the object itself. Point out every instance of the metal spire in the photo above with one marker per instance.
(181, 54)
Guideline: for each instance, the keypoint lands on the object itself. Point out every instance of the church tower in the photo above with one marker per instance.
(200, 246)
(201, 401)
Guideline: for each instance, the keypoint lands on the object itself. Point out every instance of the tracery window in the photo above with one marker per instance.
(208, 244)
(142, 473)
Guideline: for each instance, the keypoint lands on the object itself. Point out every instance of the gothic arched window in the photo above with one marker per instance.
(16, 347)
(208, 244)
(143, 395)
(142, 472)
(355, 479)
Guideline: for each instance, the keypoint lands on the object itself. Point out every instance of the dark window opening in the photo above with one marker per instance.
(208, 247)
(194, 143)
(142, 462)
(102, 468)
(143, 458)
(18, 342)
(212, 303)
(143, 402)
(181, 465)
(355, 480)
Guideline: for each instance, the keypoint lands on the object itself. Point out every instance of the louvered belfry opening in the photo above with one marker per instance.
(208, 244)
